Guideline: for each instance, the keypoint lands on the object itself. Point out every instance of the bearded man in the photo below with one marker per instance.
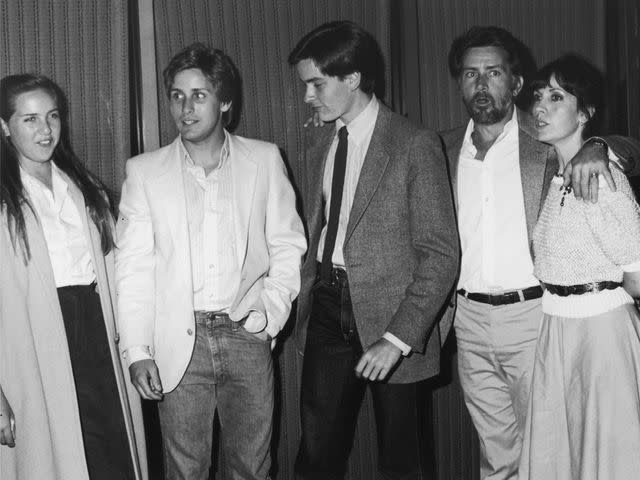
(500, 175)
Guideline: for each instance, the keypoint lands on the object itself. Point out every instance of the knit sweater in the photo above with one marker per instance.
(582, 242)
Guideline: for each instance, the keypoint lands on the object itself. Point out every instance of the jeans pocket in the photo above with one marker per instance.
(261, 337)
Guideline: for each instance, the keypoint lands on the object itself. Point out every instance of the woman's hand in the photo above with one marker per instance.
(7, 423)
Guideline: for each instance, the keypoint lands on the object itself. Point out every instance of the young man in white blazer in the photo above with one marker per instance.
(207, 265)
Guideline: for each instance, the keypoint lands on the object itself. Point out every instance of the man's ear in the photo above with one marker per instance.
(5, 128)
(353, 80)
(224, 107)
(517, 85)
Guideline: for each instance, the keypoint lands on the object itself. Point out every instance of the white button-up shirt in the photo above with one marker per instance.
(491, 216)
(360, 130)
(63, 229)
(210, 214)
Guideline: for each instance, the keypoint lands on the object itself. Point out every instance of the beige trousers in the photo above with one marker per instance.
(496, 347)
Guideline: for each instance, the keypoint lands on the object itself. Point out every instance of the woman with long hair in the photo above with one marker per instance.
(584, 412)
(66, 411)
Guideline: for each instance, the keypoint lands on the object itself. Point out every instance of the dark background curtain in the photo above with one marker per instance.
(258, 36)
(89, 47)
(82, 46)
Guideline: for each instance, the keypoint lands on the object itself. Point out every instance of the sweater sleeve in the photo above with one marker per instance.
(615, 223)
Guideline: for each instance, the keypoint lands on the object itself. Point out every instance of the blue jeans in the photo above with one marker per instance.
(231, 370)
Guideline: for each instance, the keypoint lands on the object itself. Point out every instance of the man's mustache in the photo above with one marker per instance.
(482, 97)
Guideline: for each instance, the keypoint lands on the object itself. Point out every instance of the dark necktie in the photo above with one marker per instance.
(337, 184)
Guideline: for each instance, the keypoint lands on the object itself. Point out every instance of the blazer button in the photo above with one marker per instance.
(189, 331)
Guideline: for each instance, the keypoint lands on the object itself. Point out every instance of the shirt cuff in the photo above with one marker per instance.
(406, 349)
(610, 153)
(256, 322)
(136, 353)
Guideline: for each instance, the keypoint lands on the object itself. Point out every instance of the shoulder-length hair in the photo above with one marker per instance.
(13, 197)
(579, 77)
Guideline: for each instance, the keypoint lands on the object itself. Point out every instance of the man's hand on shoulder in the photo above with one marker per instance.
(378, 360)
(146, 379)
(584, 170)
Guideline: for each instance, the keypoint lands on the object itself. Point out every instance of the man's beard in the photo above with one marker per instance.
(489, 113)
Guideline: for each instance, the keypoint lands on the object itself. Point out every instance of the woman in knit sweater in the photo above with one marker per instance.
(584, 412)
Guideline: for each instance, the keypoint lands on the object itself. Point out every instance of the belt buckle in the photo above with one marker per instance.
(337, 277)
(504, 298)
(499, 299)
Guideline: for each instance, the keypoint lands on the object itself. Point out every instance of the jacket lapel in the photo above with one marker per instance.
(167, 188)
(453, 145)
(373, 168)
(243, 176)
(40, 258)
(535, 170)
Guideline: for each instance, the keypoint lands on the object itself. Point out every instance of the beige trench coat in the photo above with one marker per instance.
(35, 368)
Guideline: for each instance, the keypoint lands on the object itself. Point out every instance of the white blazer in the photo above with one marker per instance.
(153, 261)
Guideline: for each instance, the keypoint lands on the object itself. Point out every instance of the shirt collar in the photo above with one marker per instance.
(58, 182)
(361, 126)
(191, 165)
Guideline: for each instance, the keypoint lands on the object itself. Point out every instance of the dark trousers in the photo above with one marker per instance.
(103, 429)
(332, 395)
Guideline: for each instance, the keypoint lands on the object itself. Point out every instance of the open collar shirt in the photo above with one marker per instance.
(62, 227)
(491, 216)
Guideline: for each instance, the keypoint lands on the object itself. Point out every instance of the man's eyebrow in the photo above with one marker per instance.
(35, 113)
(488, 67)
(199, 89)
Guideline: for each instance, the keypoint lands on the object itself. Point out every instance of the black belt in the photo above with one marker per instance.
(504, 298)
(566, 290)
(337, 277)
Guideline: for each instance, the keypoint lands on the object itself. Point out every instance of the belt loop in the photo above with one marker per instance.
(521, 295)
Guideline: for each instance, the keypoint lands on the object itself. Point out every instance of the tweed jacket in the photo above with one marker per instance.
(35, 368)
(401, 246)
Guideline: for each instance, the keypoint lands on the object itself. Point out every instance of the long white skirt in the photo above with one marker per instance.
(583, 421)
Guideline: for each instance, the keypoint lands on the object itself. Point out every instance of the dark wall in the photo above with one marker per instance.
(548, 27)
(81, 45)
